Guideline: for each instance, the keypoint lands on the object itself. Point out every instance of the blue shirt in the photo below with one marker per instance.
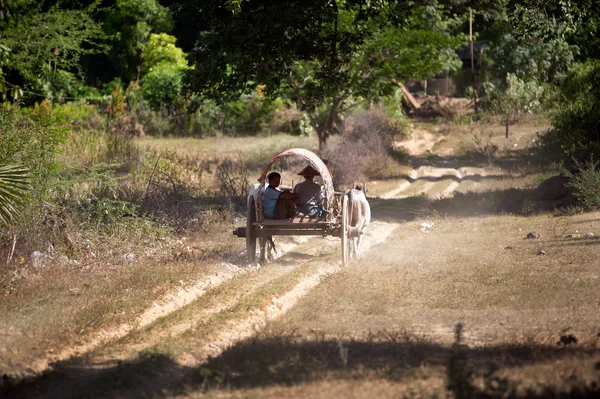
(269, 200)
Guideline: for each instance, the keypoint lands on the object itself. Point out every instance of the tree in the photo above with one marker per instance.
(128, 25)
(536, 44)
(576, 115)
(327, 53)
(42, 48)
(163, 64)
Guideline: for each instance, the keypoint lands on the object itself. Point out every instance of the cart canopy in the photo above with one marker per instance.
(316, 163)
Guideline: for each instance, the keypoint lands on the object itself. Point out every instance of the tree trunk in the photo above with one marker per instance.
(324, 131)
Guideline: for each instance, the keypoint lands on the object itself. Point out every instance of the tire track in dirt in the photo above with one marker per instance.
(172, 302)
(258, 319)
(436, 182)
(168, 304)
(231, 332)
(237, 330)
(377, 233)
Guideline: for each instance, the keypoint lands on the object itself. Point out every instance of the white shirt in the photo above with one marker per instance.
(309, 196)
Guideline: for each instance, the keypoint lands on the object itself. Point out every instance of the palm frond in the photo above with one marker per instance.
(15, 183)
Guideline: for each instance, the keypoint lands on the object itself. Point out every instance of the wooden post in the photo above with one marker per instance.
(507, 128)
(472, 57)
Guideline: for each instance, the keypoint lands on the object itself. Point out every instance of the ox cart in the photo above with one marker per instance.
(336, 222)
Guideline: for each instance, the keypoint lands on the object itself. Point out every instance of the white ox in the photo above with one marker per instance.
(359, 218)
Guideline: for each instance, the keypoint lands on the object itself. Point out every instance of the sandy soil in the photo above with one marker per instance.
(424, 181)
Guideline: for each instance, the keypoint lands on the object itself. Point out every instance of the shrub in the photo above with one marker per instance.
(364, 149)
(519, 97)
(32, 138)
(232, 180)
(577, 115)
(291, 121)
(392, 105)
(249, 115)
(586, 184)
(162, 85)
(55, 85)
(205, 121)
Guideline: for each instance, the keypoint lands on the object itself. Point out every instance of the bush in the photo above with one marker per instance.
(55, 85)
(162, 86)
(364, 149)
(519, 97)
(249, 115)
(392, 105)
(233, 182)
(206, 119)
(586, 184)
(32, 138)
(577, 115)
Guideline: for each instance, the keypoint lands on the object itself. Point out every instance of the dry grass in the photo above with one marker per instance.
(111, 279)
(386, 325)
(51, 307)
(258, 150)
(489, 276)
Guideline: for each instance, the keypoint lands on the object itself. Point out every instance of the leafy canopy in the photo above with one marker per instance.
(164, 64)
(263, 41)
(41, 47)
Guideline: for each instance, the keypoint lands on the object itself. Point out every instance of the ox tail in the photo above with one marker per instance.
(350, 206)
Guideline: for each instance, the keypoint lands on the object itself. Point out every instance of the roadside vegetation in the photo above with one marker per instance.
(130, 132)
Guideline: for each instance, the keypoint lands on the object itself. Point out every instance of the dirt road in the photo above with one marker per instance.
(305, 321)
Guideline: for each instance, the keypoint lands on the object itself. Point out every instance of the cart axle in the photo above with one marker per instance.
(240, 232)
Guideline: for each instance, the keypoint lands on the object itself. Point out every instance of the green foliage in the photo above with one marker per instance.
(413, 53)
(45, 47)
(529, 206)
(542, 177)
(462, 120)
(326, 52)
(93, 196)
(4, 53)
(129, 26)
(32, 138)
(162, 86)
(206, 118)
(392, 105)
(586, 184)
(530, 58)
(577, 115)
(14, 186)
(164, 63)
(55, 86)
(517, 97)
(161, 48)
(248, 115)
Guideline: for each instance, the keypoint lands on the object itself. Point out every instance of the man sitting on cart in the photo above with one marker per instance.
(278, 204)
(310, 195)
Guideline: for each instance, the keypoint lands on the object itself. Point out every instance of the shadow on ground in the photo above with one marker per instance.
(470, 204)
(289, 359)
(514, 160)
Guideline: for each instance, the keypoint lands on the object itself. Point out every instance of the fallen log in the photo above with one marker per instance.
(406, 96)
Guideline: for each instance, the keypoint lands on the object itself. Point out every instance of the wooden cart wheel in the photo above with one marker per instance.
(250, 230)
(345, 230)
